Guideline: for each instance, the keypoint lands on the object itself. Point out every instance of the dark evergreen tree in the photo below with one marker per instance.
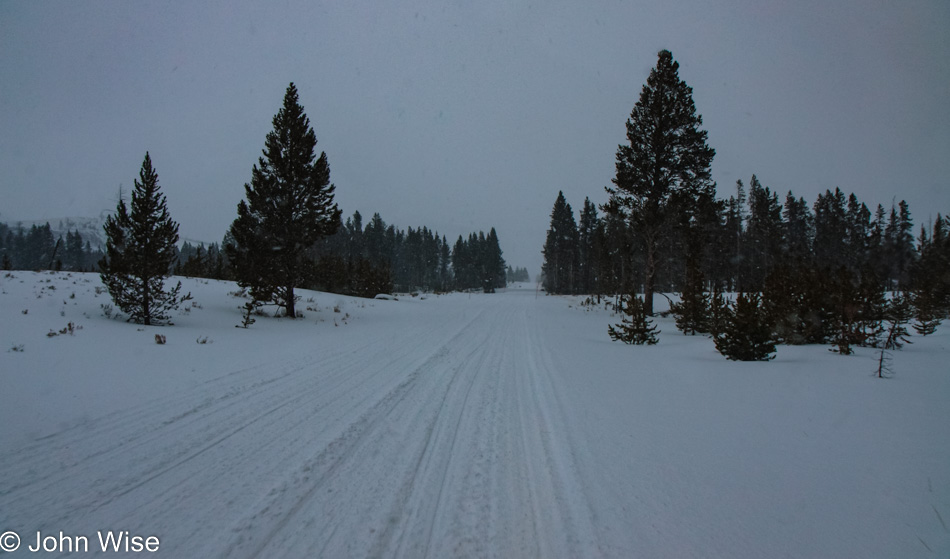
(620, 256)
(930, 277)
(445, 266)
(560, 249)
(898, 249)
(872, 305)
(6, 246)
(39, 248)
(897, 313)
(196, 264)
(635, 326)
(858, 219)
(845, 312)
(784, 303)
(494, 263)
(461, 264)
(140, 250)
(831, 230)
(289, 207)
(19, 249)
(704, 236)
(799, 228)
(747, 335)
(719, 313)
(692, 312)
(928, 316)
(667, 157)
(905, 255)
(732, 267)
(876, 243)
(587, 249)
(374, 236)
(74, 256)
(763, 237)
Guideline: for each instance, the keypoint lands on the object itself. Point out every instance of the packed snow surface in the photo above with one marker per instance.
(462, 425)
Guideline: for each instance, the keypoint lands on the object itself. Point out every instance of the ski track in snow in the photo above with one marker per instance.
(447, 442)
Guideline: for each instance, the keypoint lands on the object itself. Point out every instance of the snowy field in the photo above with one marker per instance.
(504, 425)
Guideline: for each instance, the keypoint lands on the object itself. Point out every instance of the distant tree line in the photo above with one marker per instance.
(516, 275)
(37, 248)
(378, 258)
(199, 261)
(804, 274)
(381, 258)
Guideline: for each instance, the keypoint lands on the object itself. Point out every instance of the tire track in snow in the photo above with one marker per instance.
(276, 514)
(161, 438)
(432, 467)
(471, 459)
(449, 440)
(559, 445)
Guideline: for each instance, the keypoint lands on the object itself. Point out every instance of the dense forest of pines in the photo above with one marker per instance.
(381, 258)
(804, 274)
(744, 239)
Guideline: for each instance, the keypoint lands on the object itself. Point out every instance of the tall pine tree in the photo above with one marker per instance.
(667, 159)
(289, 207)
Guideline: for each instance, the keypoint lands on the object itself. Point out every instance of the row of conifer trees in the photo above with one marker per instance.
(288, 234)
(743, 239)
(381, 258)
(835, 273)
(378, 258)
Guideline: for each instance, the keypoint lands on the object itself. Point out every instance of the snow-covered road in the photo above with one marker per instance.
(449, 441)
(502, 425)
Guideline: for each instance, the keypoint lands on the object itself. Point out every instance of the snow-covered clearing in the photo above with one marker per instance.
(503, 425)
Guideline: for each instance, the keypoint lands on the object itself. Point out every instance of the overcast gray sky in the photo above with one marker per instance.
(463, 115)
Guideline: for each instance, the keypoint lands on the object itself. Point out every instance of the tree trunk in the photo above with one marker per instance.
(289, 302)
(146, 300)
(650, 280)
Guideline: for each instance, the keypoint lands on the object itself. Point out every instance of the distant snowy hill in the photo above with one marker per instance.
(89, 227)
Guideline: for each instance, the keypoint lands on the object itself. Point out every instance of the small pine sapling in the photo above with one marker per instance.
(719, 313)
(842, 312)
(898, 313)
(748, 335)
(873, 301)
(692, 312)
(249, 308)
(928, 314)
(635, 327)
